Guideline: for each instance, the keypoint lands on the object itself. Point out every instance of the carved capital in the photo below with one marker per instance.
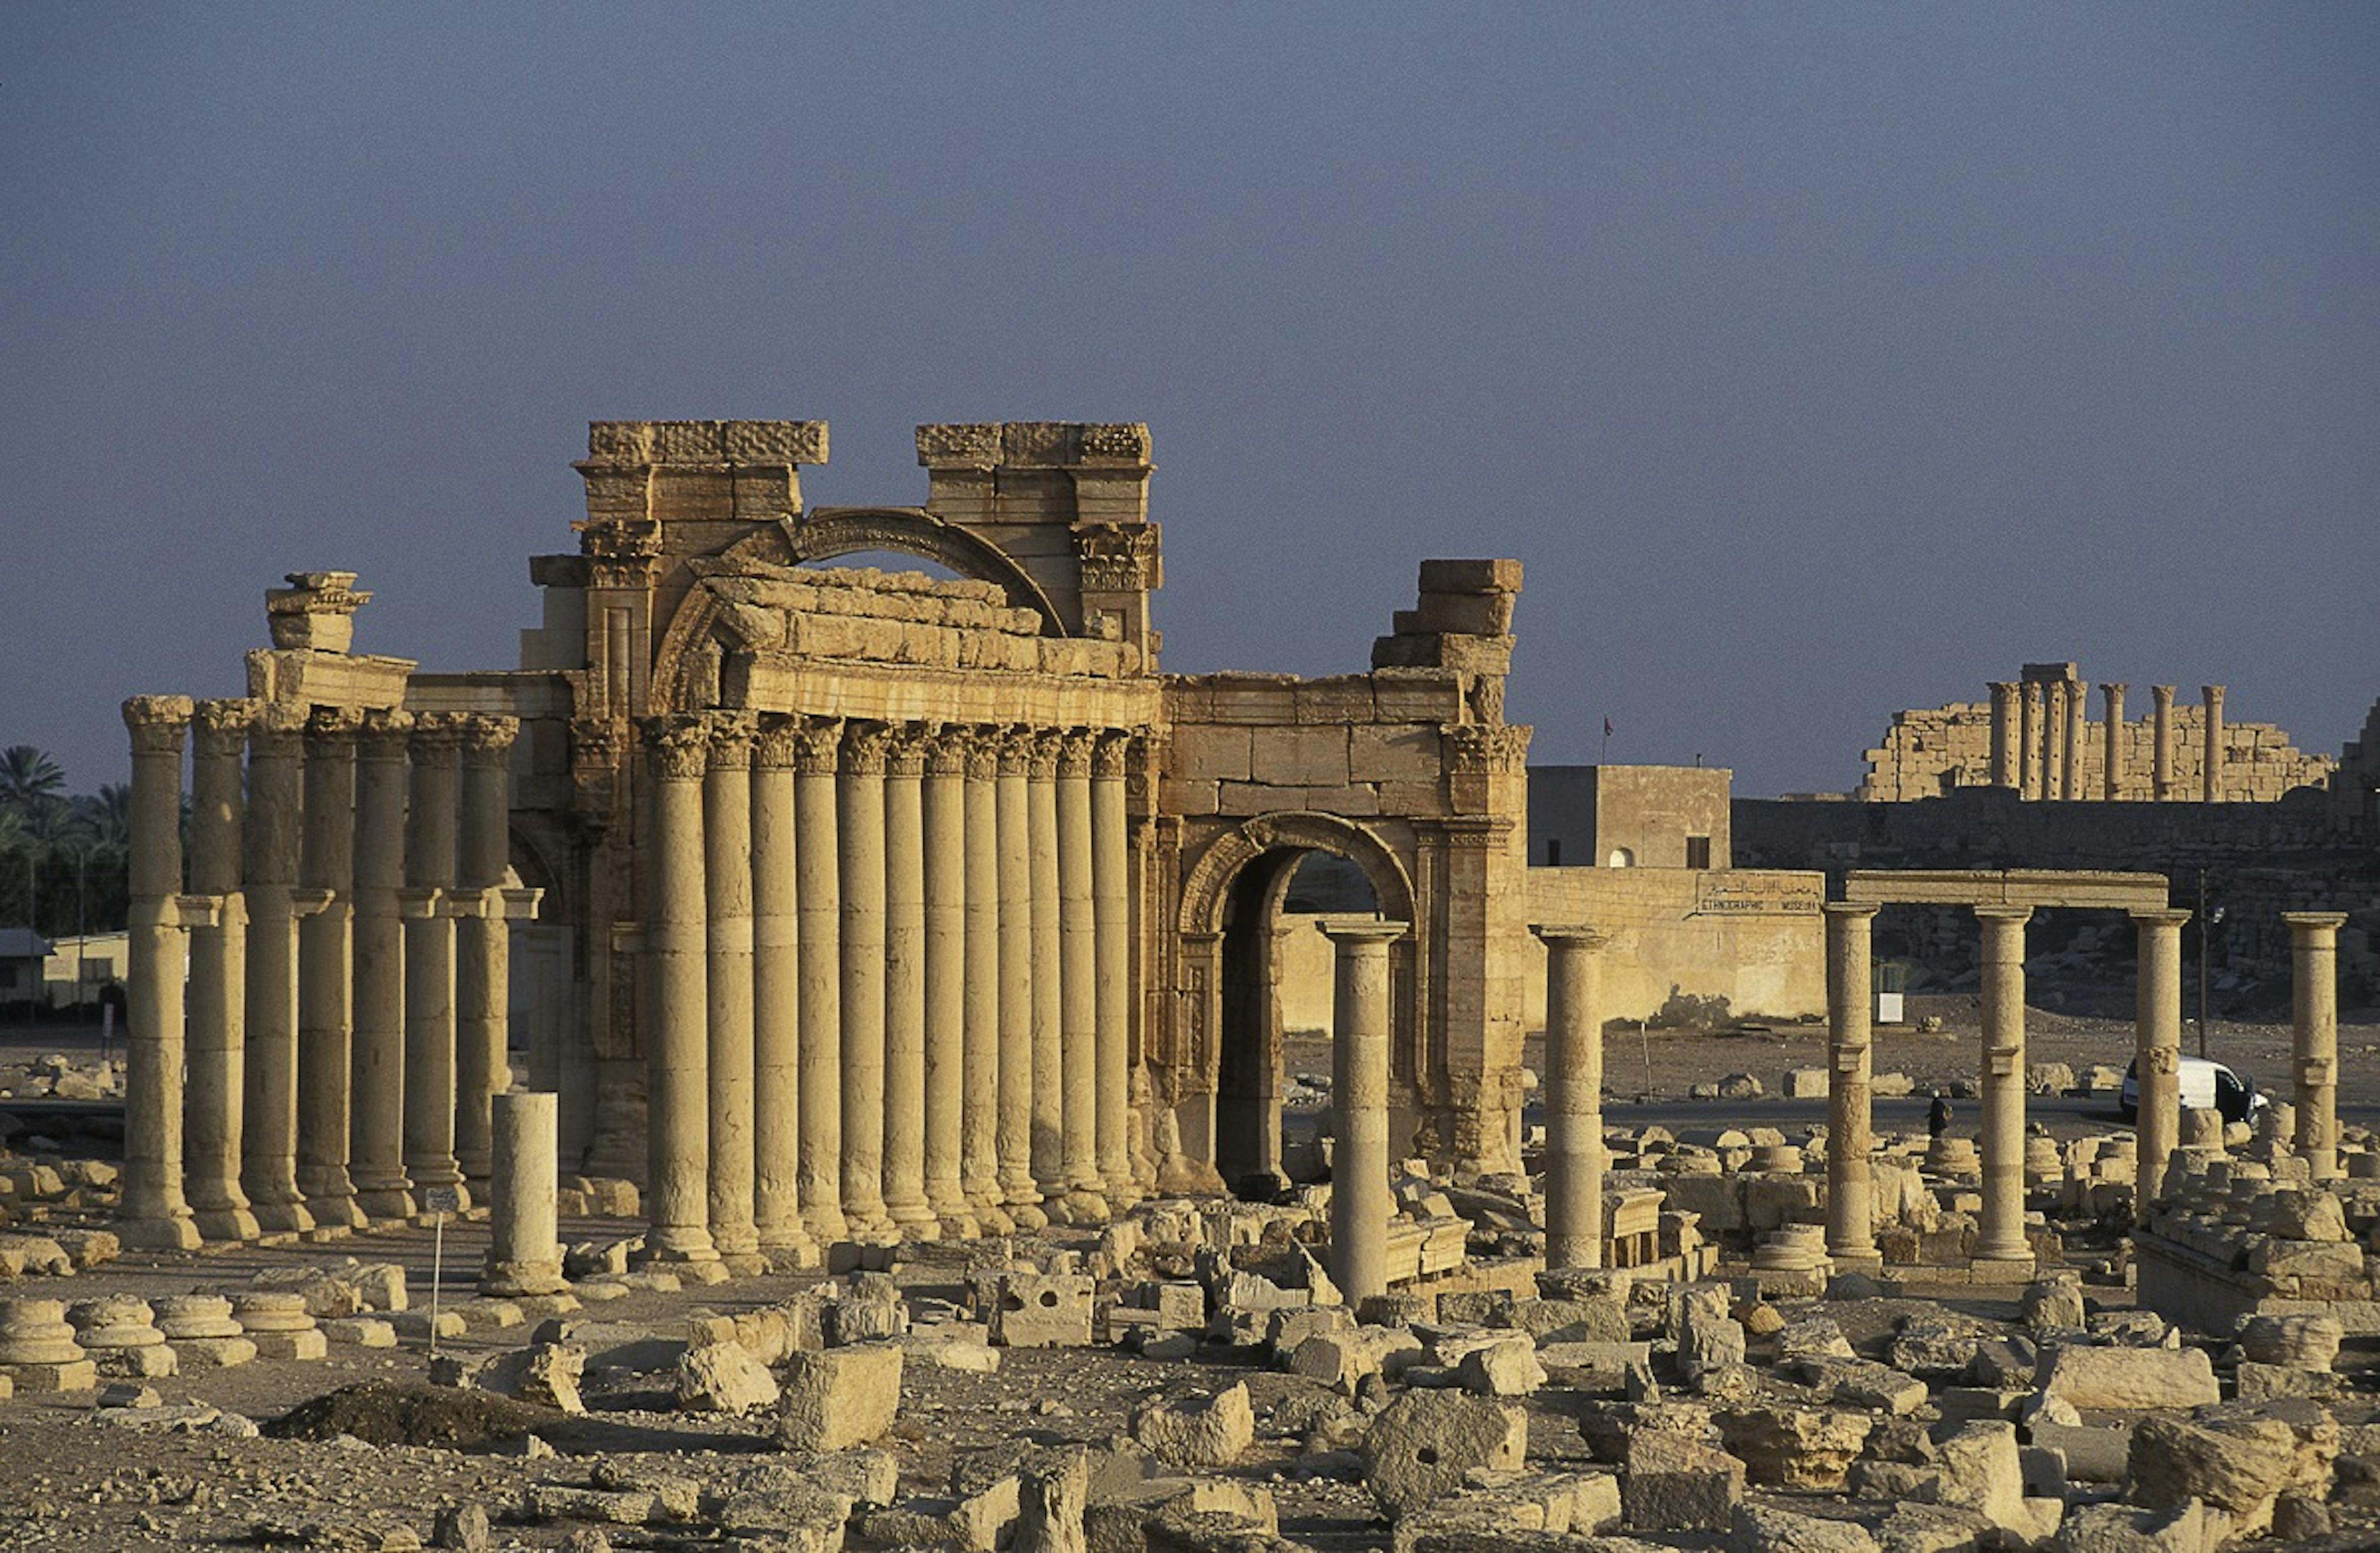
(905, 756)
(1041, 753)
(1475, 749)
(1111, 754)
(950, 751)
(488, 739)
(866, 747)
(1074, 752)
(158, 723)
(330, 732)
(594, 741)
(222, 726)
(983, 746)
(1118, 557)
(731, 740)
(776, 744)
(818, 746)
(275, 732)
(437, 735)
(679, 747)
(387, 734)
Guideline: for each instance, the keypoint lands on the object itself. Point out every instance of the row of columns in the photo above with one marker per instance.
(890, 974)
(2039, 731)
(344, 934)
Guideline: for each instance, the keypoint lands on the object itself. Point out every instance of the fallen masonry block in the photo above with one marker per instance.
(1508, 1368)
(2129, 1379)
(839, 1397)
(361, 1331)
(1123, 1520)
(1042, 1310)
(2308, 1343)
(1496, 1505)
(2240, 1458)
(2194, 1527)
(1863, 1383)
(1199, 1432)
(1424, 1443)
(545, 1374)
(1676, 1483)
(1768, 1529)
(1593, 1367)
(1795, 1447)
(723, 1377)
(618, 1345)
(1342, 1359)
(869, 1307)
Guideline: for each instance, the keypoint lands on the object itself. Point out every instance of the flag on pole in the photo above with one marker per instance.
(1606, 727)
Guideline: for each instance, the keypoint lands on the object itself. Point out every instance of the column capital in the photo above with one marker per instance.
(1571, 935)
(776, 744)
(486, 736)
(1360, 930)
(2113, 688)
(2212, 692)
(2003, 687)
(728, 741)
(2168, 917)
(158, 723)
(950, 750)
(1041, 753)
(906, 750)
(221, 725)
(983, 747)
(386, 734)
(437, 736)
(331, 732)
(679, 747)
(1849, 911)
(1112, 752)
(2313, 924)
(1997, 913)
(1074, 752)
(1016, 745)
(276, 730)
(818, 744)
(2161, 693)
(866, 747)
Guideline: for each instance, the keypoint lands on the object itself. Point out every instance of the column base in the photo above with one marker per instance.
(801, 1257)
(291, 1217)
(825, 1224)
(386, 1204)
(960, 1224)
(1028, 1218)
(1866, 1259)
(174, 1231)
(226, 1224)
(746, 1264)
(519, 1280)
(1086, 1207)
(2001, 1268)
(677, 1248)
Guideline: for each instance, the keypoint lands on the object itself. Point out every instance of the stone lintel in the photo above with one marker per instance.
(2011, 887)
(754, 444)
(304, 677)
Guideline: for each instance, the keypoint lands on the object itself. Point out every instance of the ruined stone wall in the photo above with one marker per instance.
(1927, 753)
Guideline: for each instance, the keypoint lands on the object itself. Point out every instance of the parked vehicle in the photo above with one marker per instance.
(2205, 1086)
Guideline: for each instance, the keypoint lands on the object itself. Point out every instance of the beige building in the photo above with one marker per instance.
(1628, 816)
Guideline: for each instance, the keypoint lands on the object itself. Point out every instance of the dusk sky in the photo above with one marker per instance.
(1817, 359)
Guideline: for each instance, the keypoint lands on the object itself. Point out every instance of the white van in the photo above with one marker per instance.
(2205, 1086)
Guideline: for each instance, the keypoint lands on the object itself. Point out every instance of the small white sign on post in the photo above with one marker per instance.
(441, 1201)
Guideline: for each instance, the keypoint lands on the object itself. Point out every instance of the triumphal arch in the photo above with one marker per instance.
(875, 901)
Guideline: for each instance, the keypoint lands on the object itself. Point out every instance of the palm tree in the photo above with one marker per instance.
(29, 778)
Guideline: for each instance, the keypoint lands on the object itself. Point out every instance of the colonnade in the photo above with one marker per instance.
(2039, 731)
(889, 972)
(343, 930)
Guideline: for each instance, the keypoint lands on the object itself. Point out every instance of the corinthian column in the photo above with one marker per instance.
(270, 843)
(1573, 1098)
(859, 815)
(382, 1190)
(944, 1056)
(2078, 711)
(2004, 746)
(1360, 1203)
(1048, 981)
(2313, 965)
(776, 1001)
(2211, 763)
(156, 1217)
(904, 1110)
(727, 982)
(325, 948)
(212, 1116)
(1018, 1096)
(2000, 1229)
(2111, 775)
(1111, 923)
(2161, 741)
(483, 1066)
(676, 1045)
(1850, 1225)
(1079, 984)
(2157, 1054)
(2029, 740)
(817, 850)
(980, 1127)
(427, 906)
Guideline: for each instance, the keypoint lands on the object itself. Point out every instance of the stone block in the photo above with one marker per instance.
(723, 1377)
(1805, 1084)
(1042, 1310)
(1676, 1483)
(1426, 1442)
(2240, 1459)
(839, 1397)
(1199, 1433)
(2129, 1379)
(1770, 1528)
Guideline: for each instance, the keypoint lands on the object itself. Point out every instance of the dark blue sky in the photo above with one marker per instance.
(1818, 359)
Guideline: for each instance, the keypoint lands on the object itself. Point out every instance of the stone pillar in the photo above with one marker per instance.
(1360, 1203)
(325, 960)
(979, 1125)
(1112, 924)
(2078, 713)
(818, 878)
(426, 902)
(270, 845)
(2161, 741)
(1049, 978)
(524, 1242)
(1014, 802)
(776, 1000)
(2314, 1026)
(944, 1056)
(677, 1086)
(859, 817)
(2211, 764)
(1573, 1098)
(482, 941)
(1079, 1002)
(2029, 740)
(727, 987)
(1999, 1236)
(382, 1189)
(2111, 774)
(2005, 768)
(156, 1215)
(213, 1102)
(1851, 1036)
(902, 1106)
(2053, 740)
(2157, 1051)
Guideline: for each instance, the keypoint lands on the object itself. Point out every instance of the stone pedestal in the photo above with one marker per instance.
(2157, 1051)
(271, 844)
(2000, 1243)
(727, 989)
(120, 1335)
(382, 1189)
(677, 1189)
(425, 906)
(818, 746)
(325, 964)
(1361, 1204)
(1573, 1098)
(2313, 964)
(202, 1332)
(214, 1115)
(1850, 1225)
(278, 1324)
(38, 1352)
(156, 1215)
(525, 1244)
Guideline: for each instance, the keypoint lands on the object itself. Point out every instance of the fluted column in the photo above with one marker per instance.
(859, 793)
(156, 1216)
(2313, 1026)
(1078, 984)
(776, 1000)
(430, 826)
(945, 1058)
(2029, 739)
(2078, 713)
(1851, 1034)
(325, 963)
(1112, 924)
(2161, 742)
(678, 1190)
(270, 845)
(2111, 774)
(727, 987)
(904, 1110)
(980, 1126)
(1018, 1098)
(483, 1066)
(1048, 981)
(817, 851)
(2157, 1051)
(2004, 734)
(212, 1118)
(2211, 763)
(1573, 1098)
(2001, 1230)
(1360, 1202)
(382, 1189)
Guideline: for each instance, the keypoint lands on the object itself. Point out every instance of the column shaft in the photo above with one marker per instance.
(2161, 742)
(677, 1191)
(2313, 1023)
(1111, 922)
(2029, 740)
(727, 987)
(945, 1034)
(427, 906)
(776, 1000)
(482, 943)
(2157, 1051)
(2111, 775)
(156, 1216)
(325, 963)
(2004, 734)
(270, 845)
(904, 1102)
(2211, 763)
(2000, 1232)
(212, 1123)
(1573, 1098)
(1048, 981)
(377, 1138)
(1360, 1201)
(1014, 803)
(860, 817)
(1851, 1034)
(817, 877)
(524, 1240)
(2078, 713)
(1079, 1002)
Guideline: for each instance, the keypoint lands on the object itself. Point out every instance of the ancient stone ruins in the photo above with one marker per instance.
(869, 986)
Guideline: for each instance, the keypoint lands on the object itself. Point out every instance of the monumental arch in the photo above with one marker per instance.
(864, 901)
